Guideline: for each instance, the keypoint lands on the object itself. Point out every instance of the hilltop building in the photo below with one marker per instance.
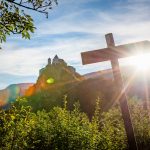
(56, 61)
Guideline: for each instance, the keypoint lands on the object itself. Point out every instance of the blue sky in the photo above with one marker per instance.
(73, 26)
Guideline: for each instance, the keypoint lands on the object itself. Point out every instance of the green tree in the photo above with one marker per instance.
(14, 18)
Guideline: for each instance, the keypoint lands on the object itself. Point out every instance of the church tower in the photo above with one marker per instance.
(49, 61)
(56, 60)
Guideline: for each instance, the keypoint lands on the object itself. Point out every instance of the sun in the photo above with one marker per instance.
(140, 62)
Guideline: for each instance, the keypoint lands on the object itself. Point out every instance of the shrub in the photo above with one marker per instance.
(61, 129)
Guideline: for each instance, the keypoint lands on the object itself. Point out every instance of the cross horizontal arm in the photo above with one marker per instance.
(115, 52)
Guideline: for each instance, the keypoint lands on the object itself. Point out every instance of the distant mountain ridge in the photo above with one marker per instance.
(57, 79)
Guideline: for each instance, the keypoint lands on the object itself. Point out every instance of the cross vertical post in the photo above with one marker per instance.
(146, 95)
(122, 96)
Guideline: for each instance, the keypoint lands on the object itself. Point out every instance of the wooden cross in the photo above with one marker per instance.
(113, 53)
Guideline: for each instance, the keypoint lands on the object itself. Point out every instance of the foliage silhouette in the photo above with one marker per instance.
(15, 19)
(62, 129)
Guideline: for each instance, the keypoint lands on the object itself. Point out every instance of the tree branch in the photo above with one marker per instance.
(34, 9)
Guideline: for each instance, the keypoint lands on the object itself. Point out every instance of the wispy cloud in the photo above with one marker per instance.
(134, 22)
(24, 61)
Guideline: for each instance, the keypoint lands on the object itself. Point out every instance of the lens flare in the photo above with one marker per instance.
(50, 80)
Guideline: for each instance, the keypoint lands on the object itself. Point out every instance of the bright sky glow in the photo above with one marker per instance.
(140, 62)
(73, 26)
